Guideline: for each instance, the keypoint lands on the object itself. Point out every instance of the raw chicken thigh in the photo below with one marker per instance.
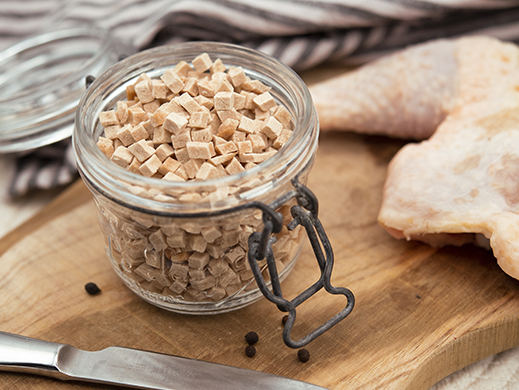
(464, 180)
(409, 93)
(462, 184)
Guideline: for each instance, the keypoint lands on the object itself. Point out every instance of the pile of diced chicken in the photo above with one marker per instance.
(196, 122)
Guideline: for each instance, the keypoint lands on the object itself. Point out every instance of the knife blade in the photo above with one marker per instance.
(132, 368)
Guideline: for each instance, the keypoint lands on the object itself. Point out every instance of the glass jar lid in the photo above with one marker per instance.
(42, 79)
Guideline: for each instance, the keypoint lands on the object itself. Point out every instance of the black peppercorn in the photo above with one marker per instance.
(303, 355)
(250, 351)
(284, 320)
(92, 288)
(251, 338)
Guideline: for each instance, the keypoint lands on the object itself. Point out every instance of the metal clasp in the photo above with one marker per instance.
(260, 247)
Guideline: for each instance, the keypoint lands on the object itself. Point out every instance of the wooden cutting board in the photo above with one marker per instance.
(420, 314)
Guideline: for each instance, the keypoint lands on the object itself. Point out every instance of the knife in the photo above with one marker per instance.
(132, 368)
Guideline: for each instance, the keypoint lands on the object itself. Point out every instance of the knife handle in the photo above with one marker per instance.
(27, 355)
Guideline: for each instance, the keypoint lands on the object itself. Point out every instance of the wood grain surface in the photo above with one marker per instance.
(421, 313)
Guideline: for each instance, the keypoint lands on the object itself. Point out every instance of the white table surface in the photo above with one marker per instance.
(497, 372)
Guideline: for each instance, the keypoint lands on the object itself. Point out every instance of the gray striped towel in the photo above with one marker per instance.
(301, 33)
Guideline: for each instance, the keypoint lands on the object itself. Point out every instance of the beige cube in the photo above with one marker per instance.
(283, 116)
(265, 101)
(255, 86)
(258, 142)
(218, 140)
(108, 118)
(192, 166)
(246, 158)
(175, 123)
(134, 166)
(189, 104)
(202, 62)
(122, 112)
(141, 150)
(183, 156)
(224, 101)
(106, 146)
(173, 81)
(227, 128)
(170, 176)
(111, 131)
(150, 108)
(159, 89)
(200, 119)
(204, 101)
(238, 136)
(271, 127)
(207, 171)
(229, 114)
(259, 114)
(200, 150)
(137, 115)
(157, 117)
(139, 132)
(181, 172)
(224, 158)
(164, 151)
(125, 135)
(249, 126)
(191, 86)
(234, 167)
(182, 68)
(122, 156)
(223, 85)
(197, 243)
(211, 233)
(180, 141)
(225, 148)
(204, 135)
(249, 100)
(144, 92)
(239, 101)
(218, 66)
(237, 76)
(149, 128)
(151, 166)
(158, 240)
(206, 88)
(161, 135)
(244, 147)
(198, 260)
(282, 138)
(169, 165)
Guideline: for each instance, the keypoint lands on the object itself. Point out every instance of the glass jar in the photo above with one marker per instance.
(186, 253)
(42, 79)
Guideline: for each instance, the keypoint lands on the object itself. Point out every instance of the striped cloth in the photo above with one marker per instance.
(301, 33)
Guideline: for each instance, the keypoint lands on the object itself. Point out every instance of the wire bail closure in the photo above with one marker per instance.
(260, 247)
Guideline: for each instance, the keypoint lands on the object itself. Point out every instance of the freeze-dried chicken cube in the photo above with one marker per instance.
(265, 101)
(141, 150)
(122, 156)
(106, 146)
(202, 62)
(108, 118)
(200, 150)
(151, 166)
(175, 123)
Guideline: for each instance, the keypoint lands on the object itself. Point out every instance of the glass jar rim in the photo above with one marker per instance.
(37, 104)
(99, 169)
